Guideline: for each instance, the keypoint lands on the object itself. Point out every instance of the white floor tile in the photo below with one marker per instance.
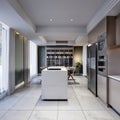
(71, 115)
(16, 115)
(44, 115)
(81, 105)
(46, 105)
(98, 115)
(8, 102)
(113, 113)
(25, 104)
(2, 113)
(69, 106)
(89, 103)
(82, 91)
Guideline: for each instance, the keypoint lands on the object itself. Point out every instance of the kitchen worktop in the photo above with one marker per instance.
(54, 68)
(115, 77)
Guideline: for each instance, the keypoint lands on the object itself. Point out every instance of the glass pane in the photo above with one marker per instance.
(1, 59)
(18, 59)
(0, 43)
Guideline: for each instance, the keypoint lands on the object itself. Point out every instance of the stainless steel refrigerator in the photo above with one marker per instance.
(92, 68)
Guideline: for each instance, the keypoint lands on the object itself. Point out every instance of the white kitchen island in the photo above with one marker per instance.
(54, 83)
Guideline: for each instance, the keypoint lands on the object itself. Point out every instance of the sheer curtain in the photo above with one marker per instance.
(1, 89)
(3, 59)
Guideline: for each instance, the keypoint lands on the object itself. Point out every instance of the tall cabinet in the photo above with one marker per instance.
(105, 41)
(105, 35)
(114, 68)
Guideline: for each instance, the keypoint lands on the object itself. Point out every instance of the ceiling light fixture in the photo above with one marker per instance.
(51, 20)
(17, 33)
(71, 20)
(89, 45)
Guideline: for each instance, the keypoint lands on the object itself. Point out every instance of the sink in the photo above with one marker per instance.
(54, 68)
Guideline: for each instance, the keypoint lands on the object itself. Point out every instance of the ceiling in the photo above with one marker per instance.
(45, 21)
(61, 12)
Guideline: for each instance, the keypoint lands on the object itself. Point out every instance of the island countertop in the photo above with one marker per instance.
(55, 68)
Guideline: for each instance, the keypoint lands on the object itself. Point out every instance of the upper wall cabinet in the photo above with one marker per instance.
(111, 26)
(113, 31)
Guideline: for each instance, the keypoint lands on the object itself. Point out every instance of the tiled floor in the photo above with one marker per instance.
(26, 104)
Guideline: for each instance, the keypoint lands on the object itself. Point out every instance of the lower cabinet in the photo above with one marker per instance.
(114, 94)
(102, 88)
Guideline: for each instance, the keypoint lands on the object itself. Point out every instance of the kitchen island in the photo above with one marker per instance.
(54, 83)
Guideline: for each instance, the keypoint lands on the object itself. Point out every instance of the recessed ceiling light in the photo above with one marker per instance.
(42, 38)
(89, 45)
(51, 20)
(71, 20)
(17, 33)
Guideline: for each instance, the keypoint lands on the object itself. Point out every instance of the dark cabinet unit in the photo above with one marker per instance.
(41, 57)
(59, 56)
(92, 68)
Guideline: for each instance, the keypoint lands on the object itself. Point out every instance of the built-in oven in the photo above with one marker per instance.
(102, 56)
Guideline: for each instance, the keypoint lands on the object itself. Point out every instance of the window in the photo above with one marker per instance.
(3, 59)
(1, 89)
(19, 64)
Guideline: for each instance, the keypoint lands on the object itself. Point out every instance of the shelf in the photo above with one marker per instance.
(59, 56)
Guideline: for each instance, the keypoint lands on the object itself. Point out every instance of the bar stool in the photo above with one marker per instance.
(70, 74)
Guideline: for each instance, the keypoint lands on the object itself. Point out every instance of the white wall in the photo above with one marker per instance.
(77, 55)
(33, 59)
(85, 60)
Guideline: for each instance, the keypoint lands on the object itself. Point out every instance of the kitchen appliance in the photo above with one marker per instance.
(102, 57)
(92, 68)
